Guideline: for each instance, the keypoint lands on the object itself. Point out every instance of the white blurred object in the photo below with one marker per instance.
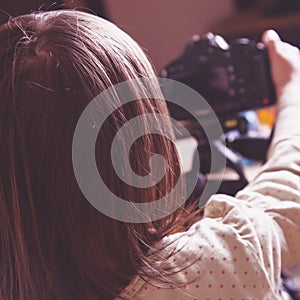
(186, 148)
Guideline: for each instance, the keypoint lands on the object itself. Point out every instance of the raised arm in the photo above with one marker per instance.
(276, 189)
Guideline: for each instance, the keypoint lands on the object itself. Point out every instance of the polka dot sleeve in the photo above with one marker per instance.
(234, 252)
(276, 189)
(220, 257)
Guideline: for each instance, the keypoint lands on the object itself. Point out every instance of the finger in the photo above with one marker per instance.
(273, 43)
(270, 37)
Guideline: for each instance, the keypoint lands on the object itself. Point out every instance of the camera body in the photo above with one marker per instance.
(232, 78)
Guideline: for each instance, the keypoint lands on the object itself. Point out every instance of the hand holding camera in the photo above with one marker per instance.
(285, 62)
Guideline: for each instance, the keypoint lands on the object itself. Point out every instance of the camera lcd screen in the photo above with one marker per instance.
(212, 84)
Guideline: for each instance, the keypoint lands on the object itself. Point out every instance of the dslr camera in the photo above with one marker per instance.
(231, 77)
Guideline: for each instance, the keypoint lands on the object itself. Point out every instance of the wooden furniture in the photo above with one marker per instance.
(252, 23)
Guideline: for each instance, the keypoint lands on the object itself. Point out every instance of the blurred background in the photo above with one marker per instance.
(163, 28)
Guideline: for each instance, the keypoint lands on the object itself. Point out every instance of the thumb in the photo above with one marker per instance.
(270, 38)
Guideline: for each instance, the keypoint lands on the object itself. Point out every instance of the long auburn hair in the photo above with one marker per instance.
(54, 244)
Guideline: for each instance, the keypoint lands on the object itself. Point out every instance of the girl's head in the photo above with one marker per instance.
(53, 243)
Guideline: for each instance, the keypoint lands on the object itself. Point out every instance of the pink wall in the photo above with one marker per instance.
(162, 27)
